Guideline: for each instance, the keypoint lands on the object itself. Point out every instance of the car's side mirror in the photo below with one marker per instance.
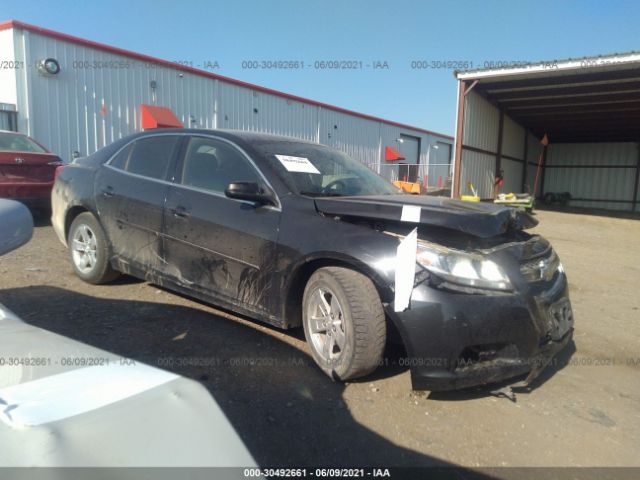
(17, 225)
(250, 191)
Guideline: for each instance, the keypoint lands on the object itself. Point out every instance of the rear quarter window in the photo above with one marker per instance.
(150, 157)
(121, 158)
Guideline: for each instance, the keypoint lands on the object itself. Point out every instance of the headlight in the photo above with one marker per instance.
(462, 268)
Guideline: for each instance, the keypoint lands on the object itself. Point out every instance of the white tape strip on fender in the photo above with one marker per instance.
(410, 213)
(405, 271)
(75, 392)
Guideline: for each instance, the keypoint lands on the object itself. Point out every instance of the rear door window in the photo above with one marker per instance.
(150, 157)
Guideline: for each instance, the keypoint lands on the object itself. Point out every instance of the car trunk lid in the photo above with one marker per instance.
(28, 166)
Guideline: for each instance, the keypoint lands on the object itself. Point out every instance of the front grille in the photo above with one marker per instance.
(540, 269)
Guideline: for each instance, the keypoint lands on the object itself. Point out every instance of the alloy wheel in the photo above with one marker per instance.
(325, 321)
(84, 249)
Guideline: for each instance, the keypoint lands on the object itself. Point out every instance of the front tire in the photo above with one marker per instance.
(89, 250)
(344, 322)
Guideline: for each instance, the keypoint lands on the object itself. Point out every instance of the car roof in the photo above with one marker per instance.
(232, 134)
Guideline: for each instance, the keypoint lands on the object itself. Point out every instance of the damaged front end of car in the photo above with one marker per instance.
(489, 301)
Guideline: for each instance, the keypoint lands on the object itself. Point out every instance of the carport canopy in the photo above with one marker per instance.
(594, 99)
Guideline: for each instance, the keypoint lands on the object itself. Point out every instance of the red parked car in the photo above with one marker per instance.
(27, 170)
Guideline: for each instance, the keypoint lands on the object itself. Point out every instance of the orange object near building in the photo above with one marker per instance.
(391, 154)
(158, 117)
(409, 187)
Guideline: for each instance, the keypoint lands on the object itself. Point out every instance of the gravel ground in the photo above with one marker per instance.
(583, 412)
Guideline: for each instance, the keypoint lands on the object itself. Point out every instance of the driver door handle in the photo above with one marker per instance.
(108, 191)
(181, 212)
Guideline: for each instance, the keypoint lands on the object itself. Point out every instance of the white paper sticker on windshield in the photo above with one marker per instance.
(297, 164)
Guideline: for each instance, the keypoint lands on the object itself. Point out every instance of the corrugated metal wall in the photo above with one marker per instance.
(86, 107)
(512, 146)
(285, 117)
(570, 168)
(359, 139)
(479, 169)
(8, 92)
(481, 131)
(512, 172)
(512, 139)
(481, 121)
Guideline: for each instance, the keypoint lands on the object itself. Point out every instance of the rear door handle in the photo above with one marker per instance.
(180, 211)
(108, 191)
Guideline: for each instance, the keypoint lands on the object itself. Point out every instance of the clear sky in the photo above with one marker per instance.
(368, 31)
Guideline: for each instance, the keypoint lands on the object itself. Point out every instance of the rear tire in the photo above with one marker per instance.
(89, 250)
(344, 322)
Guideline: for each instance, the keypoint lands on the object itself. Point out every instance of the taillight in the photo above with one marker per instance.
(58, 170)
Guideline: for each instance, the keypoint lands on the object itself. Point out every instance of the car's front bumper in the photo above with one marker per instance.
(457, 340)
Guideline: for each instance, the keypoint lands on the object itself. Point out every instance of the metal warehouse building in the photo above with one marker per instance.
(76, 96)
(589, 111)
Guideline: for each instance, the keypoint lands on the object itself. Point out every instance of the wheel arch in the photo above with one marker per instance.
(71, 214)
(300, 274)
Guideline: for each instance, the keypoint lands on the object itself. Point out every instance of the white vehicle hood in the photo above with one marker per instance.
(67, 404)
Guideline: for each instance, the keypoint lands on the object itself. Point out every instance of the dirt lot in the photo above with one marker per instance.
(585, 412)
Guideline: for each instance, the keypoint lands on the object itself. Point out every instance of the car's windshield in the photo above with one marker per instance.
(316, 170)
(13, 142)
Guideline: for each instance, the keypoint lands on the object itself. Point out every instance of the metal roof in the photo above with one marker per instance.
(146, 58)
(590, 99)
(550, 67)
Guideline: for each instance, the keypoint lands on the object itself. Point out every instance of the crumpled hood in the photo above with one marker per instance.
(483, 220)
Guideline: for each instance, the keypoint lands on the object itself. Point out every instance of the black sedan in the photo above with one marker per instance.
(295, 233)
